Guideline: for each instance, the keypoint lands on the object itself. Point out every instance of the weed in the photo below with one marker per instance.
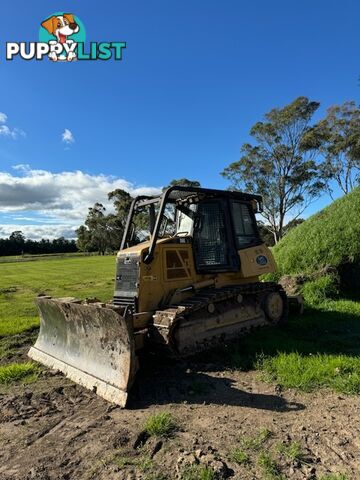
(291, 450)
(239, 456)
(255, 443)
(145, 463)
(197, 472)
(123, 462)
(156, 476)
(160, 425)
(269, 467)
(15, 372)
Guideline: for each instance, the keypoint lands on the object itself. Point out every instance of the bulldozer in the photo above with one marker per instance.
(187, 279)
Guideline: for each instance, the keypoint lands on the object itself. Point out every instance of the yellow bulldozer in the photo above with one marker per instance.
(187, 279)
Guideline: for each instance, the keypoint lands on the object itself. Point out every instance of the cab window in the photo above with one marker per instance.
(244, 222)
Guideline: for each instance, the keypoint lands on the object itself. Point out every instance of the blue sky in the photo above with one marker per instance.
(194, 78)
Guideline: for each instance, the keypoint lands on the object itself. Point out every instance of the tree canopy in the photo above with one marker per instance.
(279, 164)
(18, 244)
(337, 137)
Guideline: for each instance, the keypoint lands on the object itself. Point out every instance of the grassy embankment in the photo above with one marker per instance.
(322, 348)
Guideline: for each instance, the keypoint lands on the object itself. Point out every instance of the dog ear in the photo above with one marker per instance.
(50, 24)
(69, 17)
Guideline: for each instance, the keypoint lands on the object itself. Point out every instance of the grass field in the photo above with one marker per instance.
(319, 349)
(21, 282)
(44, 256)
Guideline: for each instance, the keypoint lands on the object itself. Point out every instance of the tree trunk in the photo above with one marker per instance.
(276, 237)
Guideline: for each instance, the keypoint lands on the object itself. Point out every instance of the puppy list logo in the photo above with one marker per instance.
(62, 38)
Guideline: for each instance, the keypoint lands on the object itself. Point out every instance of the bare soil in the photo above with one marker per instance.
(54, 429)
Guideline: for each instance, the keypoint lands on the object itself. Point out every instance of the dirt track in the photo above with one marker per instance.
(53, 429)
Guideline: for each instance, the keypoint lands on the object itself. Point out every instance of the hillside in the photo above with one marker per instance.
(330, 238)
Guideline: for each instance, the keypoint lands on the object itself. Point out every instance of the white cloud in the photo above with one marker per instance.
(67, 136)
(37, 232)
(14, 133)
(56, 200)
(3, 117)
(6, 131)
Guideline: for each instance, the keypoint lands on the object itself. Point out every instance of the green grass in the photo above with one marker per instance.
(239, 456)
(16, 372)
(318, 349)
(330, 237)
(269, 467)
(197, 472)
(255, 443)
(160, 425)
(20, 283)
(291, 450)
(156, 476)
(32, 258)
(143, 463)
(319, 290)
(292, 370)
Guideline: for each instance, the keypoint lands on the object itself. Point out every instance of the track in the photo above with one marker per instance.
(212, 316)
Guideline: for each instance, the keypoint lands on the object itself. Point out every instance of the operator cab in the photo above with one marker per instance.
(218, 224)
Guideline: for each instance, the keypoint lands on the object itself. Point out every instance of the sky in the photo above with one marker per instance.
(195, 76)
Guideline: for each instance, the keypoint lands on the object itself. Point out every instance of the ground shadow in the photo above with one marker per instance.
(316, 331)
(163, 381)
(176, 383)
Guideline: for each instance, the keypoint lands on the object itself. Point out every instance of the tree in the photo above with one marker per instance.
(280, 165)
(292, 224)
(338, 137)
(97, 226)
(17, 244)
(83, 241)
(122, 201)
(103, 231)
(18, 237)
(184, 182)
(266, 234)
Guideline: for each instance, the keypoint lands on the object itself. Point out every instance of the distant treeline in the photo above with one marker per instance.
(17, 244)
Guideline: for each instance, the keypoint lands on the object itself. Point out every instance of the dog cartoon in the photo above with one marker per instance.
(62, 27)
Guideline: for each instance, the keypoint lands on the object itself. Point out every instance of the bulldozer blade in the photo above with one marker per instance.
(93, 345)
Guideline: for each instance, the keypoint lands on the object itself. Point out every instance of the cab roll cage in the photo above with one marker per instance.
(173, 195)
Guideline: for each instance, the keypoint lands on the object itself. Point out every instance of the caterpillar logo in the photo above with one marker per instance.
(261, 260)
